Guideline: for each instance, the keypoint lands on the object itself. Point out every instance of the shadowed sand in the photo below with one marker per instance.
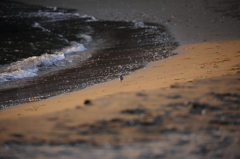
(198, 117)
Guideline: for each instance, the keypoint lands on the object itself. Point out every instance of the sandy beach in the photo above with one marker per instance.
(188, 102)
(195, 61)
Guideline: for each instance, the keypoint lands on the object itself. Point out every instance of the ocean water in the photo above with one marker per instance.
(46, 51)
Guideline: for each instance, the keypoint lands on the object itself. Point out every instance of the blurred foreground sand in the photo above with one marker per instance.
(196, 118)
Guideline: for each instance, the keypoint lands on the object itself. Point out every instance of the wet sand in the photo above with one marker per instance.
(186, 106)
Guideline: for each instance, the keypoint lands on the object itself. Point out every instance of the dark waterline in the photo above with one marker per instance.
(117, 48)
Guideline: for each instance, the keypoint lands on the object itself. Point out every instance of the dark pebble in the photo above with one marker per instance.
(17, 135)
(87, 102)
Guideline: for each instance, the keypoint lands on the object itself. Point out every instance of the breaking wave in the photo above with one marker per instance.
(29, 66)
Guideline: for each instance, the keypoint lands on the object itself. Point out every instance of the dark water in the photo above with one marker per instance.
(46, 51)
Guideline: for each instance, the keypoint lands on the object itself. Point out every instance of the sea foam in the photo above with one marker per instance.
(28, 67)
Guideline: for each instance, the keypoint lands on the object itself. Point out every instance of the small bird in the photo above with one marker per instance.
(121, 78)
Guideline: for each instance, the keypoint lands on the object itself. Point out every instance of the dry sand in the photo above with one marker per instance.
(193, 120)
(200, 118)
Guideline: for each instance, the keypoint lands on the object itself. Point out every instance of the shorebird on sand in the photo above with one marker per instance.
(121, 78)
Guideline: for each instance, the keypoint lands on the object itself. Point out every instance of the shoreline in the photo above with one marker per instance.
(189, 65)
(197, 23)
(115, 47)
(185, 106)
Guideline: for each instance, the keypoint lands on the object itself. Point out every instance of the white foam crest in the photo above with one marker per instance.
(87, 38)
(54, 8)
(75, 47)
(17, 75)
(52, 15)
(37, 25)
(138, 24)
(91, 18)
(55, 15)
(29, 66)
